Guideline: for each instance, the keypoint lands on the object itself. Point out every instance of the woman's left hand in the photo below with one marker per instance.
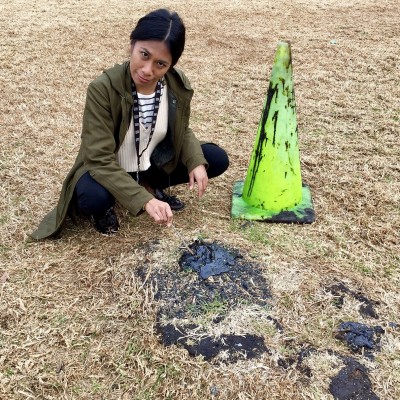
(198, 175)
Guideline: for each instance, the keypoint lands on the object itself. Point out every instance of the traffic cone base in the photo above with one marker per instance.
(302, 213)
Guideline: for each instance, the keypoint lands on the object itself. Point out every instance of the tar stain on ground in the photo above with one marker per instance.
(189, 295)
(234, 347)
(352, 383)
(215, 278)
(208, 260)
(212, 281)
(359, 337)
(297, 360)
(367, 307)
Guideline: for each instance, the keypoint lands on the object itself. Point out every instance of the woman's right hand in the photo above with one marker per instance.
(160, 211)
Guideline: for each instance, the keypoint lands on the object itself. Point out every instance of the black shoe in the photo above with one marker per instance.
(173, 201)
(107, 224)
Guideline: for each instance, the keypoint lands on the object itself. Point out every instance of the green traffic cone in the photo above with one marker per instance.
(273, 189)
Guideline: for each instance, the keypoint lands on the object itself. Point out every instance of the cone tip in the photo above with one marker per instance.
(284, 42)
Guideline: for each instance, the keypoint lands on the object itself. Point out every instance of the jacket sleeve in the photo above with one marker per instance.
(99, 146)
(191, 153)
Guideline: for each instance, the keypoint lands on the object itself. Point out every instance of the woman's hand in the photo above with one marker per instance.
(159, 211)
(199, 175)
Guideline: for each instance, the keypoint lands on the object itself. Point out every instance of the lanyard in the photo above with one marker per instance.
(136, 124)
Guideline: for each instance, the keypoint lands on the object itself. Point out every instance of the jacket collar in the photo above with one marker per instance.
(120, 79)
(179, 84)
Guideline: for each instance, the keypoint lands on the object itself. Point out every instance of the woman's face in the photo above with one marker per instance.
(150, 60)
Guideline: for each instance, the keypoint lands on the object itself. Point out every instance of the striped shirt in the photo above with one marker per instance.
(126, 154)
(146, 108)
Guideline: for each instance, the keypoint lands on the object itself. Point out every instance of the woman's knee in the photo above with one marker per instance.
(217, 159)
(92, 198)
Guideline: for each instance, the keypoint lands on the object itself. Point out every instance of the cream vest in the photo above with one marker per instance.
(126, 155)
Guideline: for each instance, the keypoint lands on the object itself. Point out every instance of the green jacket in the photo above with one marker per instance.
(106, 117)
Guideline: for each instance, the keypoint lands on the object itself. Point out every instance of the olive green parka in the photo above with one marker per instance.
(106, 118)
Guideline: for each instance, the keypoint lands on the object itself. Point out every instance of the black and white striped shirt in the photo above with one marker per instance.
(146, 108)
(126, 155)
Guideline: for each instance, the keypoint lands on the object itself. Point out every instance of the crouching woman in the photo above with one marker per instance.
(136, 141)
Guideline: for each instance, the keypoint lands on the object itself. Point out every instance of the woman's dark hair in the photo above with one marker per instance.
(165, 26)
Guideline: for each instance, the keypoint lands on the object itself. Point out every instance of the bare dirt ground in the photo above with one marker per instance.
(76, 322)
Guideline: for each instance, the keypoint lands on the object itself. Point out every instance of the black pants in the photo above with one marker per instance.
(91, 198)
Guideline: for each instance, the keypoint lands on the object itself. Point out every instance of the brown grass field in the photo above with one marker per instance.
(76, 322)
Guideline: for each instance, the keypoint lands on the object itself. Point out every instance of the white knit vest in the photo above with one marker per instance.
(126, 155)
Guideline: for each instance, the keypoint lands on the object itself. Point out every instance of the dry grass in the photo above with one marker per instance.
(75, 321)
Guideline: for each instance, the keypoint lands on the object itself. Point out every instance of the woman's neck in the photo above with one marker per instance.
(146, 90)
